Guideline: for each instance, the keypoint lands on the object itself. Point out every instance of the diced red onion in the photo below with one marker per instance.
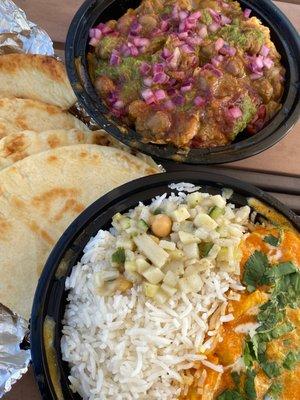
(175, 12)
(235, 112)
(148, 96)
(148, 81)
(259, 62)
(182, 15)
(139, 42)
(224, 5)
(134, 51)
(196, 15)
(160, 94)
(247, 12)
(214, 27)
(215, 62)
(178, 100)
(118, 104)
(115, 58)
(225, 20)
(199, 101)
(215, 15)
(136, 27)
(203, 31)
(183, 35)
(194, 41)
(190, 23)
(164, 26)
(227, 50)
(186, 88)
(166, 53)
(256, 75)
(125, 50)
(219, 44)
(105, 29)
(264, 51)
(187, 49)
(268, 62)
(181, 26)
(158, 67)
(213, 69)
(169, 105)
(145, 68)
(174, 59)
(93, 42)
(160, 77)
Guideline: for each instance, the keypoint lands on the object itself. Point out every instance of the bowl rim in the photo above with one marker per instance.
(119, 196)
(273, 132)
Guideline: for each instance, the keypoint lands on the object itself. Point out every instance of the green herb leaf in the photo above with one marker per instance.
(282, 330)
(272, 240)
(118, 256)
(157, 211)
(249, 354)
(236, 378)
(291, 359)
(249, 385)
(255, 270)
(230, 395)
(273, 391)
(282, 269)
(272, 369)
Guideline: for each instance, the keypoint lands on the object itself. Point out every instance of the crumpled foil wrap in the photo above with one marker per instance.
(14, 361)
(17, 35)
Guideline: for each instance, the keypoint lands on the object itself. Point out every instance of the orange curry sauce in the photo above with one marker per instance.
(230, 349)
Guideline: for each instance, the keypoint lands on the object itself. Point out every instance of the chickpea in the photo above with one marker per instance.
(161, 225)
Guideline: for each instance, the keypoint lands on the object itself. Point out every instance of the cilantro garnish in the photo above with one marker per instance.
(273, 391)
(272, 369)
(256, 269)
(236, 378)
(284, 280)
(230, 395)
(249, 385)
(291, 359)
(118, 256)
(205, 248)
(272, 240)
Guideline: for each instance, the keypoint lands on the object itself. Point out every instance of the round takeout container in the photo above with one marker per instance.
(284, 36)
(50, 298)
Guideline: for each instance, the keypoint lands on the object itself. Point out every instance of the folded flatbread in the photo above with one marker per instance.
(17, 146)
(39, 197)
(35, 77)
(22, 114)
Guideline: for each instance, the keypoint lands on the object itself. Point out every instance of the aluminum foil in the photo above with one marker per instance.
(17, 34)
(13, 360)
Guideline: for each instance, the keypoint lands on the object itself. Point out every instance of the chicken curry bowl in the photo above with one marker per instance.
(190, 73)
(187, 297)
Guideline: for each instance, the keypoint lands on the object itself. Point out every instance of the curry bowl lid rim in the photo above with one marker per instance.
(150, 185)
(273, 132)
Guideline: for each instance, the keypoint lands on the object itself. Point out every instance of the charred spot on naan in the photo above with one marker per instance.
(53, 141)
(52, 159)
(4, 228)
(48, 200)
(71, 205)
(35, 228)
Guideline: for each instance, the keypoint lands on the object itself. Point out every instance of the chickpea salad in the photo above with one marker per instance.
(193, 74)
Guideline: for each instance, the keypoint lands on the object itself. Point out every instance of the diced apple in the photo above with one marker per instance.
(191, 250)
(187, 238)
(181, 214)
(205, 221)
(153, 275)
(151, 250)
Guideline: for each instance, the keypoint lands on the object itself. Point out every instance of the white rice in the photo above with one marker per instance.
(127, 347)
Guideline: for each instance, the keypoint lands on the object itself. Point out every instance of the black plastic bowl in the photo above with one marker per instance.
(50, 297)
(283, 35)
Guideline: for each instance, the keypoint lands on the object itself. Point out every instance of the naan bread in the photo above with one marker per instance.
(35, 77)
(39, 197)
(17, 146)
(22, 114)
